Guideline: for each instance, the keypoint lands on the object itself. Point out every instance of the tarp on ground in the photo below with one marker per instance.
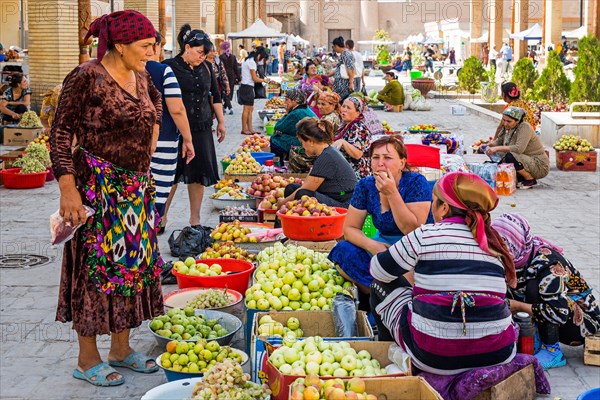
(258, 30)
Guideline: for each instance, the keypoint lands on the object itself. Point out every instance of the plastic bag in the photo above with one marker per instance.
(190, 242)
(61, 230)
(344, 315)
(399, 358)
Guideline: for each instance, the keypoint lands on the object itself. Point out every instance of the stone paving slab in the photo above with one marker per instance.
(37, 354)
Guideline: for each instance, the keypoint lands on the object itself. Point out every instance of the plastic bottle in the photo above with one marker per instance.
(500, 180)
(525, 344)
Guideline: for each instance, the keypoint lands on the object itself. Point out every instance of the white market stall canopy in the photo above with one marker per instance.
(482, 39)
(258, 30)
(575, 33)
(297, 40)
(533, 33)
(376, 42)
(415, 38)
(431, 40)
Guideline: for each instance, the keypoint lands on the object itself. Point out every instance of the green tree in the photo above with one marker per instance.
(553, 84)
(383, 53)
(524, 75)
(587, 71)
(471, 74)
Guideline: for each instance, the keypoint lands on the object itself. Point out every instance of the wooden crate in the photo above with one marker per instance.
(397, 109)
(591, 354)
(520, 385)
(240, 178)
(576, 161)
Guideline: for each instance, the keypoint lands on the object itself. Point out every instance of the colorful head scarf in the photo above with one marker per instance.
(516, 233)
(226, 47)
(331, 98)
(511, 90)
(469, 192)
(122, 27)
(361, 107)
(515, 113)
(296, 95)
(359, 103)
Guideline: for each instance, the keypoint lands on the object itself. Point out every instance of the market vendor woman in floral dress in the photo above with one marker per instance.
(110, 279)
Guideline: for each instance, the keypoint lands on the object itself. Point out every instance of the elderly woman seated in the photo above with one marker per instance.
(328, 107)
(440, 291)
(397, 200)
(518, 144)
(285, 129)
(550, 289)
(331, 179)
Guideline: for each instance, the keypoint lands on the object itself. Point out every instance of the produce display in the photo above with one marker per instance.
(197, 357)
(268, 185)
(255, 143)
(243, 164)
(227, 158)
(227, 183)
(387, 126)
(191, 268)
(227, 250)
(291, 330)
(313, 388)
(30, 119)
(307, 207)
(42, 139)
(371, 99)
(211, 298)
(573, 143)
(314, 356)
(35, 159)
(478, 143)
(545, 106)
(294, 278)
(228, 231)
(238, 211)
(179, 324)
(227, 380)
(230, 193)
(278, 115)
(275, 103)
(423, 127)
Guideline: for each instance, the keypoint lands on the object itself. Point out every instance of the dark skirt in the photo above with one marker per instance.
(96, 313)
(203, 169)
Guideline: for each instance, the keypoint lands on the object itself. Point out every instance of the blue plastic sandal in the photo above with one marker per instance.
(100, 373)
(138, 359)
(550, 356)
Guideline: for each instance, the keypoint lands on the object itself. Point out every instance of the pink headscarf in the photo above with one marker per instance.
(516, 232)
(226, 47)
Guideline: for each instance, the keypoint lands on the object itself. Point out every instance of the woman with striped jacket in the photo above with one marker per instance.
(440, 290)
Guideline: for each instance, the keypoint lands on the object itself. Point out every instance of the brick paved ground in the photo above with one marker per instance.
(38, 354)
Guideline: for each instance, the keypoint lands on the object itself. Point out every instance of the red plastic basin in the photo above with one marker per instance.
(238, 281)
(13, 179)
(316, 229)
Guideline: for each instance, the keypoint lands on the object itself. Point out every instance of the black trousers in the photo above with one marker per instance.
(379, 291)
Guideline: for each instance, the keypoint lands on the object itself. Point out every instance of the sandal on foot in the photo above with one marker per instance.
(136, 358)
(100, 372)
(247, 133)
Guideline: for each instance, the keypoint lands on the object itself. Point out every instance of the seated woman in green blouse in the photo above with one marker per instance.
(393, 92)
(285, 129)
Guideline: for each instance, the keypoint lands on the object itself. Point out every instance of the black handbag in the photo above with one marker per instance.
(259, 91)
(190, 242)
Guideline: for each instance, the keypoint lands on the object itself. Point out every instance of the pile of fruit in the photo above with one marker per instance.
(268, 185)
(30, 119)
(307, 207)
(179, 324)
(227, 158)
(314, 356)
(291, 330)
(255, 143)
(42, 139)
(197, 357)
(227, 380)
(238, 211)
(546, 106)
(230, 193)
(294, 278)
(211, 298)
(228, 231)
(479, 142)
(313, 388)
(223, 183)
(227, 250)
(278, 115)
(423, 127)
(573, 143)
(243, 164)
(275, 103)
(387, 126)
(191, 268)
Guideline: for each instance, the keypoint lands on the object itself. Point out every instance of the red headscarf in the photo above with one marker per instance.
(469, 192)
(121, 27)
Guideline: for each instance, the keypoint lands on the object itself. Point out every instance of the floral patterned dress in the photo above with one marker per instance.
(102, 288)
(359, 136)
(340, 85)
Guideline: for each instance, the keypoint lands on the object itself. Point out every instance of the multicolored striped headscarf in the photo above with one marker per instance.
(469, 192)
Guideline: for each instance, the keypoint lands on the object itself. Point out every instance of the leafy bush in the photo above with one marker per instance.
(524, 75)
(587, 71)
(471, 74)
(553, 84)
(383, 53)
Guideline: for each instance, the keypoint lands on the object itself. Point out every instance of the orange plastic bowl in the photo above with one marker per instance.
(13, 179)
(317, 229)
(238, 278)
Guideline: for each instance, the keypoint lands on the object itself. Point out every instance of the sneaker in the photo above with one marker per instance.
(550, 356)
(231, 111)
(528, 184)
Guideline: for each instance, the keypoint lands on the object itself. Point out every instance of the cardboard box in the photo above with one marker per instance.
(1, 168)
(322, 247)
(240, 178)
(9, 158)
(312, 323)
(591, 355)
(576, 161)
(20, 136)
(402, 387)
(520, 385)
(280, 383)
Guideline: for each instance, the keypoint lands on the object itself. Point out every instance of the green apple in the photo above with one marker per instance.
(340, 372)
(291, 355)
(293, 323)
(326, 369)
(189, 261)
(286, 369)
(294, 295)
(263, 304)
(312, 367)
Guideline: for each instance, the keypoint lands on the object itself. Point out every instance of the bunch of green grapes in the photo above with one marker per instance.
(211, 298)
(227, 380)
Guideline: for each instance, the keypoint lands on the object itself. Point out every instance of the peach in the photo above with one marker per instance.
(351, 396)
(297, 396)
(311, 393)
(337, 394)
(371, 397)
(356, 385)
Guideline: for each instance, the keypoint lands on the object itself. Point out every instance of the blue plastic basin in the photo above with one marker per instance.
(261, 157)
(593, 394)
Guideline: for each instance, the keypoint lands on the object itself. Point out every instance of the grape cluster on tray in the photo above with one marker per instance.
(211, 298)
(227, 380)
